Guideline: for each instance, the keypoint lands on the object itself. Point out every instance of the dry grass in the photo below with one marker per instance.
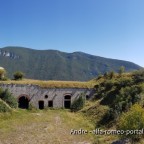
(43, 127)
(94, 111)
(52, 84)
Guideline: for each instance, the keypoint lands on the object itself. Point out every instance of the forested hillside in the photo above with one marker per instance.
(56, 65)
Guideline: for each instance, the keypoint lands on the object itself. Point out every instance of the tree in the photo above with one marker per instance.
(106, 74)
(2, 73)
(111, 74)
(18, 75)
(121, 70)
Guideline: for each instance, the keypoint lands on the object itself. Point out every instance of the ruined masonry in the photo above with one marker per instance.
(45, 97)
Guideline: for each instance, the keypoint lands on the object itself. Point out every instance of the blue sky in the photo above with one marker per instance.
(108, 28)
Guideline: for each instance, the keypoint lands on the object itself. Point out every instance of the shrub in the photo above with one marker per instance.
(4, 107)
(78, 103)
(123, 82)
(6, 96)
(18, 75)
(4, 79)
(31, 107)
(99, 76)
(138, 76)
(109, 85)
(132, 120)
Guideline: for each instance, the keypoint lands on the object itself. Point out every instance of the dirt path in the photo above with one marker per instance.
(53, 130)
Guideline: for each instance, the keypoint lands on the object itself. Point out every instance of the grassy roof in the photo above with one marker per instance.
(51, 83)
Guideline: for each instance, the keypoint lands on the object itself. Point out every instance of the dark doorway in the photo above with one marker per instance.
(67, 101)
(23, 102)
(50, 103)
(87, 97)
(67, 104)
(41, 104)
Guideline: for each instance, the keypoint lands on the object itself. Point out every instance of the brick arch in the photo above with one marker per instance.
(67, 94)
(26, 96)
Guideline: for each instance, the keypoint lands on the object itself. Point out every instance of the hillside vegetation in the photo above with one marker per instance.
(56, 65)
(120, 92)
(118, 104)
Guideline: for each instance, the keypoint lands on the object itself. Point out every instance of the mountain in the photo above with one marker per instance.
(56, 65)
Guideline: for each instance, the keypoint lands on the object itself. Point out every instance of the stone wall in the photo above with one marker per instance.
(35, 93)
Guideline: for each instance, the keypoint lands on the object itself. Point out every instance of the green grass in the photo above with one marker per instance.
(52, 84)
(43, 127)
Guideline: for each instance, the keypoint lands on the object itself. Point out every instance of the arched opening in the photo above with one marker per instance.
(41, 104)
(67, 101)
(23, 102)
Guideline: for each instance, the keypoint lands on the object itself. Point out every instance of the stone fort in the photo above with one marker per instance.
(39, 97)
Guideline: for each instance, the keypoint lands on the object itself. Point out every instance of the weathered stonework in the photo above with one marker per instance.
(35, 94)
